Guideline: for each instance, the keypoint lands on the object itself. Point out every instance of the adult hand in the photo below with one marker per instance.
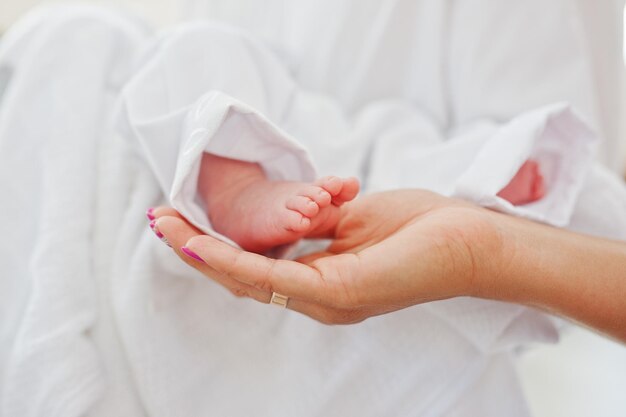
(396, 249)
(389, 251)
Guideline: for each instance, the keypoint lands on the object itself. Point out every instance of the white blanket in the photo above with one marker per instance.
(100, 120)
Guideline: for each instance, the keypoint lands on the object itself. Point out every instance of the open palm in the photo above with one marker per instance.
(389, 251)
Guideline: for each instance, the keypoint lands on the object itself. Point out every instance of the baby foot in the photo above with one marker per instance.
(266, 214)
(526, 187)
(260, 215)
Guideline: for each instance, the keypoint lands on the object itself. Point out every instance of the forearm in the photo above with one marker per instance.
(576, 276)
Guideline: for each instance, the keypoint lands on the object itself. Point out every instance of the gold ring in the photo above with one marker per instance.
(279, 300)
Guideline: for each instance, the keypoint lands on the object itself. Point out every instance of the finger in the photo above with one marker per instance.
(154, 213)
(178, 232)
(288, 278)
(163, 211)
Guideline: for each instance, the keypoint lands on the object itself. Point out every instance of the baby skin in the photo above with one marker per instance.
(526, 187)
(259, 214)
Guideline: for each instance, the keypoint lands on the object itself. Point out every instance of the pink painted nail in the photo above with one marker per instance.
(191, 254)
(158, 233)
(156, 229)
(149, 214)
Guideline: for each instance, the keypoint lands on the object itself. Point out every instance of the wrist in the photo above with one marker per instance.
(523, 267)
(502, 251)
(555, 270)
(477, 245)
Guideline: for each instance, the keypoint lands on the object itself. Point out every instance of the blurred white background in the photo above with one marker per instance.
(160, 12)
(584, 375)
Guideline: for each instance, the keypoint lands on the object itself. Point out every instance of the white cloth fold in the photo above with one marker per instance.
(50, 134)
(224, 127)
(557, 139)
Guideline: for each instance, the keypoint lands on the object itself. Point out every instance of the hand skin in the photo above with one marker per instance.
(397, 249)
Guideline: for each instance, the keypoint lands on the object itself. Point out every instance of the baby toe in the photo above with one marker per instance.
(296, 222)
(317, 194)
(348, 192)
(331, 184)
(303, 205)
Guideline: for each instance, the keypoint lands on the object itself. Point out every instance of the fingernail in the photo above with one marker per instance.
(149, 214)
(191, 254)
(155, 229)
(158, 233)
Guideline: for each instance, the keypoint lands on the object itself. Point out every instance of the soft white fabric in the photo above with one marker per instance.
(56, 110)
(106, 321)
(603, 25)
